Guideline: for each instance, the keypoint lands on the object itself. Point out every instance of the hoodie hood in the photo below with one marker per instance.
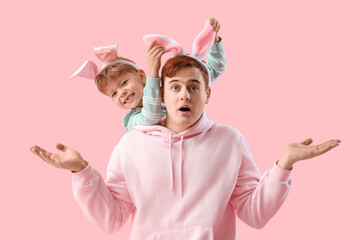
(202, 125)
(170, 137)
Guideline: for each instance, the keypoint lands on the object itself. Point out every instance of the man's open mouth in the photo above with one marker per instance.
(184, 109)
(129, 98)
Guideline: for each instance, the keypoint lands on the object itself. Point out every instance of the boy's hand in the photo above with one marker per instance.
(216, 26)
(70, 159)
(153, 59)
(295, 152)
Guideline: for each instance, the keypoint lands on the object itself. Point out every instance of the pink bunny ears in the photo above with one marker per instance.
(107, 55)
(201, 45)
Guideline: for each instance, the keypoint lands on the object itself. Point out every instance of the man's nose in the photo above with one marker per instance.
(185, 94)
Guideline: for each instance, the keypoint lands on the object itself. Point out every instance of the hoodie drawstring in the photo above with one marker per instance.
(181, 167)
(172, 167)
(171, 164)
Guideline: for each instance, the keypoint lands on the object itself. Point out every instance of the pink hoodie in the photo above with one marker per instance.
(185, 186)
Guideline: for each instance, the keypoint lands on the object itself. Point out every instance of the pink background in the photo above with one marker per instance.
(293, 72)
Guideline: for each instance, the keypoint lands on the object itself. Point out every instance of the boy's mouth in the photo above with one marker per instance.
(128, 98)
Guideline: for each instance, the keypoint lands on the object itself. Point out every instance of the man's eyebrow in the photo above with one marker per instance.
(173, 80)
(195, 80)
(192, 80)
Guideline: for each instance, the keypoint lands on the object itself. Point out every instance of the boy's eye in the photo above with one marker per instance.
(125, 82)
(175, 88)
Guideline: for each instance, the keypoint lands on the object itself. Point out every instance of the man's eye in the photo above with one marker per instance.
(194, 88)
(125, 82)
(175, 88)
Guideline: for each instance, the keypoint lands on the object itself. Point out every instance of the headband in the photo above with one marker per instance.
(201, 45)
(107, 55)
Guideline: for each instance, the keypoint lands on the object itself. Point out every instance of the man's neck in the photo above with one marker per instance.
(175, 127)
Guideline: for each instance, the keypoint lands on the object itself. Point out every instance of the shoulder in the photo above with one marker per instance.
(227, 131)
(130, 136)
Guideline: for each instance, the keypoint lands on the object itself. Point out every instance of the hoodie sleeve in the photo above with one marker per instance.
(257, 199)
(151, 112)
(107, 204)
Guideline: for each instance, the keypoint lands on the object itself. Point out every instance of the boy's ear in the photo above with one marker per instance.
(208, 93)
(142, 76)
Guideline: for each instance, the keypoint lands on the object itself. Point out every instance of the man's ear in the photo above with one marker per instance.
(208, 93)
(142, 76)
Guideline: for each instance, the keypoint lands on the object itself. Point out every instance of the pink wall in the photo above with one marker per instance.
(293, 72)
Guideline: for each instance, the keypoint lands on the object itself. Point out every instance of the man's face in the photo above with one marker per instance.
(185, 96)
(127, 90)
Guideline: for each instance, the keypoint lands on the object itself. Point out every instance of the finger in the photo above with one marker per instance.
(218, 28)
(154, 49)
(151, 45)
(40, 154)
(36, 150)
(212, 21)
(307, 141)
(159, 55)
(216, 25)
(325, 149)
(51, 158)
(327, 143)
(61, 147)
(45, 155)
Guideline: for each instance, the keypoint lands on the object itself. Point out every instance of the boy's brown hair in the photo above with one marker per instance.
(113, 71)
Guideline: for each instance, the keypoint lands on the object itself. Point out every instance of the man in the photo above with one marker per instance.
(184, 179)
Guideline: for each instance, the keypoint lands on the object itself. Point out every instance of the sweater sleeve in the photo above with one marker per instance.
(257, 199)
(107, 204)
(150, 113)
(216, 60)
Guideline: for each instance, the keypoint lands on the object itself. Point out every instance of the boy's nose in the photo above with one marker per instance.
(122, 92)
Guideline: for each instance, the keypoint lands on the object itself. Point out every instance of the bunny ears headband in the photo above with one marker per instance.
(201, 45)
(107, 55)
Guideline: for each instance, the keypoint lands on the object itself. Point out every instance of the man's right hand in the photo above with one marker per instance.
(70, 159)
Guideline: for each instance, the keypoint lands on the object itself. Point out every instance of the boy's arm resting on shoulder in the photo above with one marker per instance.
(216, 60)
(150, 113)
(256, 199)
(106, 204)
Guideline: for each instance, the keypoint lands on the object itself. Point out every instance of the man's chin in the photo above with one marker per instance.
(188, 122)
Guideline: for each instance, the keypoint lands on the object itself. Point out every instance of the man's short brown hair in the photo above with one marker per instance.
(175, 64)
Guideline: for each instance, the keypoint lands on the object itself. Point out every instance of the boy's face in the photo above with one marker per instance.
(185, 96)
(127, 90)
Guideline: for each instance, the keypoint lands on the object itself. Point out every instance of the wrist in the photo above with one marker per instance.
(153, 74)
(83, 164)
(285, 164)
